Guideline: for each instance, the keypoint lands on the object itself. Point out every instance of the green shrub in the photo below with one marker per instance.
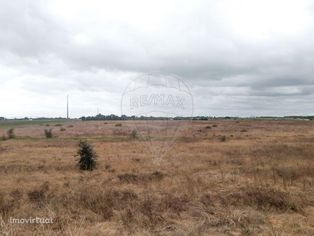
(62, 129)
(48, 133)
(134, 134)
(222, 138)
(10, 133)
(87, 155)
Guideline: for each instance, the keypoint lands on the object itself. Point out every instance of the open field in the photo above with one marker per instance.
(223, 177)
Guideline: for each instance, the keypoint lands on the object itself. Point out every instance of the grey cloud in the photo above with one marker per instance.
(46, 53)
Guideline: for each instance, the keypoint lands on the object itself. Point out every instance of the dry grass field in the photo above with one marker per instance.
(223, 177)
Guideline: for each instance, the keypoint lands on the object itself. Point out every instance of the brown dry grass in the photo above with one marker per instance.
(220, 177)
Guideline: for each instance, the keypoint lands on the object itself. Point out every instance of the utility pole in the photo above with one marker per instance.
(67, 106)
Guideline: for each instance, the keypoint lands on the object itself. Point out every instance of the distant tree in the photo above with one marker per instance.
(87, 155)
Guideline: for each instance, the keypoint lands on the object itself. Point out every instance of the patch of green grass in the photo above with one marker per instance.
(5, 124)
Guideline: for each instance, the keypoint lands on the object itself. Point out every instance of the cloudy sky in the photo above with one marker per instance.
(239, 57)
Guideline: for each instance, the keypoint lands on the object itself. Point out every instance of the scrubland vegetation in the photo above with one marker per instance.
(223, 177)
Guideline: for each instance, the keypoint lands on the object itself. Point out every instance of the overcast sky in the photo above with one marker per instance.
(239, 57)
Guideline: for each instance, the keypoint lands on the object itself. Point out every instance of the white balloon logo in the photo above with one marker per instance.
(164, 103)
